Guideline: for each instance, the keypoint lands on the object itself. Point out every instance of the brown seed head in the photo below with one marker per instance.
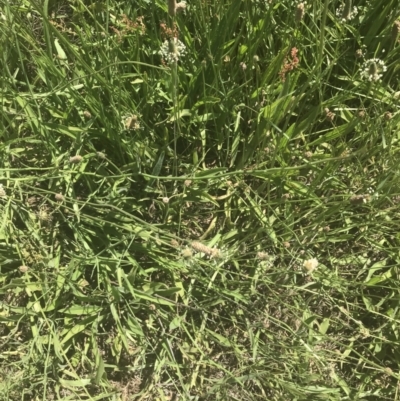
(174, 243)
(299, 12)
(216, 254)
(262, 255)
(131, 122)
(373, 68)
(59, 197)
(32, 201)
(75, 159)
(395, 30)
(199, 247)
(388, 115)
(187, 253)
(359, 53)
(87, 114)
(356, 199)
(329, 115)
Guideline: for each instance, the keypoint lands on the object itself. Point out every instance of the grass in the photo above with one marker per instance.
(221, 228)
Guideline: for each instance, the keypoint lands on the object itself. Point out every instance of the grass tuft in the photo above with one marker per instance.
(199, 201)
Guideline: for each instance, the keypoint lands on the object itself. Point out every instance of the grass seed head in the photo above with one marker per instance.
(187, 253)
(329, 115)
(299, 12)
(212, 252)
(2, 192)
(216, 253)
(359, 53)
(262, 255)
(373, 70)
(346, 12)
(388, 116)
(310, 265)
(75, 159)
(174, 243)
(131, 122)
(87, 115)
(357, 199)
(59, 197)
(395, 30)
(361, 114)
(172, 50)
(44, 215)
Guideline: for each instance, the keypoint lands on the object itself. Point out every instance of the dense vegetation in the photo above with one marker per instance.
(199, 201)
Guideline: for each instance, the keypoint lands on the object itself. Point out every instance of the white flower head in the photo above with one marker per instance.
(345, 12)
(373, 69)
(172, 50)
(310, 265)
(2, 192)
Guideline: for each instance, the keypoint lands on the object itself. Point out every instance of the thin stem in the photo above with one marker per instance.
(174, 92)
(322, 34)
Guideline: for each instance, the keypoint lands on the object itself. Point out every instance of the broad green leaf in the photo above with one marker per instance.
(81, 310)
(60, 52)
(100, 370)
(324, 326)
(74, 383)
(69, 333)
